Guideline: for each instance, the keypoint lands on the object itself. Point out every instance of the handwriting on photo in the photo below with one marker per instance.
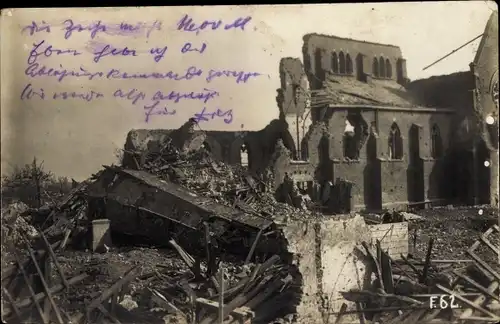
(37, 70)
(156, 108)
(185, 24)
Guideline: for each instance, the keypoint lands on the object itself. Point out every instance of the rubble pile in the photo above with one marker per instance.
(16, 223)
(68, 216)
(420, 291)
(229, 254)
(231, 185)
(247, 287)
(195, 295)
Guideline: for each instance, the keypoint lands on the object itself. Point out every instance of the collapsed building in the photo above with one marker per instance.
(157, 199)
(361, 136)
(353, 134)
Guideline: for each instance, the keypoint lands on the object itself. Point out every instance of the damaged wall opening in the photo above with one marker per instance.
(244, 155)
(436, 142)
(305, 187)
(206, 146)
(355, 135)
(415, 172)
(395, 143)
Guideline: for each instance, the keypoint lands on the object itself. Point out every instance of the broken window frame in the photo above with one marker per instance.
(244, 150)
(436, 142)
(395, 142)
(350, 145)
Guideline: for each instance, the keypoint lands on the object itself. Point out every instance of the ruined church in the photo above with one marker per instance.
(355, 133)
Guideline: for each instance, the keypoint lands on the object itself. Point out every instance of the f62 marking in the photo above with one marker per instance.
(443, 302)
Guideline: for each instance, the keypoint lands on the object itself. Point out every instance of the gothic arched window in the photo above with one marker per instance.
(348, 64)
(375, 67)
(335, 63)
(341, 63)
(381, 67)
(395, 143)
(388, 69)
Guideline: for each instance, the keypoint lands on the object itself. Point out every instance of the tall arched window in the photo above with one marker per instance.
(375, 67)
(381, 67)
(335, 63)
(395, 143)
(348, 64)
(388, 69)
(341, 63)
(436, 142)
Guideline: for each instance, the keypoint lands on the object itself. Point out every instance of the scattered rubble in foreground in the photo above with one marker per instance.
(185, 234)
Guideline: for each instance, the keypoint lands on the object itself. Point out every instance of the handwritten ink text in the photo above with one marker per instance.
(187, 24)
(206, 116)
(35, 28)
(47, 51)
(188, 48)
(89, 96)
(190, 73)
(133, 95)
(158, 53)
(241, 77)
(93, 28)
(155, 110)
(108, 50)
(29, 93)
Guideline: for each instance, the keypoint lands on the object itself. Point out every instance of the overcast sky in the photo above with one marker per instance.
(74, 137)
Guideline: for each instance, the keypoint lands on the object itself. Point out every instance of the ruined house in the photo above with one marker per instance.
(360, 136)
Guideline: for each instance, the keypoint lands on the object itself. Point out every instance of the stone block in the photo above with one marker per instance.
(101, 234)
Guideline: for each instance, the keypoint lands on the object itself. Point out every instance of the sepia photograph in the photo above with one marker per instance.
(253, 164)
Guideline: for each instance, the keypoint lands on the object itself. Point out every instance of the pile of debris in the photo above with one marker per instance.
(28, 289)
(231, 185)
(16, 223)
(196, 295)
(247, 290)
(432, 291)
(246, 287)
